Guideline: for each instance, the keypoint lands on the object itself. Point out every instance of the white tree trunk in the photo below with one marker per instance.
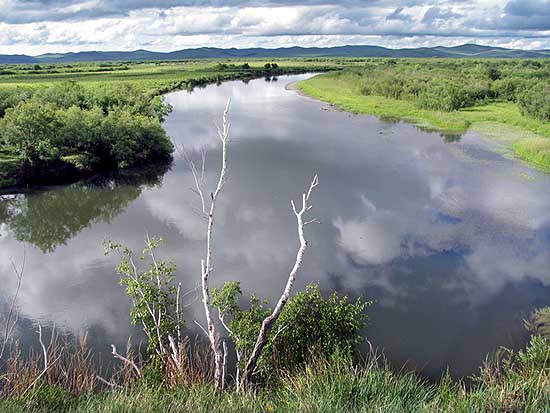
(268, 322)
(206, 262)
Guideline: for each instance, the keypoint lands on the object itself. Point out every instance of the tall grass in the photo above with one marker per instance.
(508, 382)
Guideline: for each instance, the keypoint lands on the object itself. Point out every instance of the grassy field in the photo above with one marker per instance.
(152, 76)
(530, 137)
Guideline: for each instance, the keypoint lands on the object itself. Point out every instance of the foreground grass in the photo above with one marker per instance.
(530, 138)
(519, 383)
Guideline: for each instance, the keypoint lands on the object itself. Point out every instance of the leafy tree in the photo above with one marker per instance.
(32, 129)
(153, 294)
(535, 101)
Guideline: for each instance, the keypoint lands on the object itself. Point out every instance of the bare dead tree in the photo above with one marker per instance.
(208, 210)
(268, 322)
(219, 347)
(13, 315)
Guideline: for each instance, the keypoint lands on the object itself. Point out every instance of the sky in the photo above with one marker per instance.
(56, 26)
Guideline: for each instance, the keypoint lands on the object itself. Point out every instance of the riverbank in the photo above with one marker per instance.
(520, 383)
(137, 87)
(528, 138)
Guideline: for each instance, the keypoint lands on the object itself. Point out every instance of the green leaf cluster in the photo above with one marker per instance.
(309, 325)
(535, 101)
(151, 290)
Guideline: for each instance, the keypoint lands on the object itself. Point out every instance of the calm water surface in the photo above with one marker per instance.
(450, 239)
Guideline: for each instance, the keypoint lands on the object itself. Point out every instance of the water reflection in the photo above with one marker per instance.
(47, 219)
(448, 238)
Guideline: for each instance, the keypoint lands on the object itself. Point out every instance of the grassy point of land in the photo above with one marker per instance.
(528, 138)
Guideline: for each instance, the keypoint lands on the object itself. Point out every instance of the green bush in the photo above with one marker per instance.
(83, 135)
(539, 322)
(153, 294)
(312, 325)
(11, 97)
(536, 356)
(444, 96)
(63, 95)
(535, 101)
(133, 139)
(32, 128)
(309, 325)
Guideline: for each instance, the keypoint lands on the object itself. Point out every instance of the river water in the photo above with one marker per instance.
(448, 237)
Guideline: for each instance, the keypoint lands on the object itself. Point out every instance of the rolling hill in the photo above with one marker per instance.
(465, 50)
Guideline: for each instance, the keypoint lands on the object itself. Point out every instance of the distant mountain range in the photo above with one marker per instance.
(465, 50)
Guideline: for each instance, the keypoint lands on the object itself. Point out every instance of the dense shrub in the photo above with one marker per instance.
(314, 325)
(63, 95)
(535, 101)
(508, 88)
(32, 128)
(11, 97)
(447, 85)
(41, 133)
(309, 325)
(65, 124)
(445, 96)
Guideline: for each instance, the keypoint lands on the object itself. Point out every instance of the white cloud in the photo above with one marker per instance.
(64, 25)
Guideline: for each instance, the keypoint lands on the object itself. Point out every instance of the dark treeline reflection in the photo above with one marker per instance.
(49, 218)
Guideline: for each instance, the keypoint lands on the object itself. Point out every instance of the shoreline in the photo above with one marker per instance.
(12, 181)
(528, 146)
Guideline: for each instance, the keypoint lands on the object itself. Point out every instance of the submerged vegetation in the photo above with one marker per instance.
(449, 95)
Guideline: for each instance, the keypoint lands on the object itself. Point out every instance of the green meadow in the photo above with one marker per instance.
(464, 98)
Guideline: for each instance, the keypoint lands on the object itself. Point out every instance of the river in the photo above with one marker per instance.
(449, 238)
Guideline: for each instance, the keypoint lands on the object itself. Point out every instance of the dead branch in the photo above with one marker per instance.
(125, 360)
(12, 313)
(268, 322)
(206, 262)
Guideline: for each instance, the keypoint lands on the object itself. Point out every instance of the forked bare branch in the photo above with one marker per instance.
(268, 322)
(125, 360)
(206, 262)
(13, 316)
